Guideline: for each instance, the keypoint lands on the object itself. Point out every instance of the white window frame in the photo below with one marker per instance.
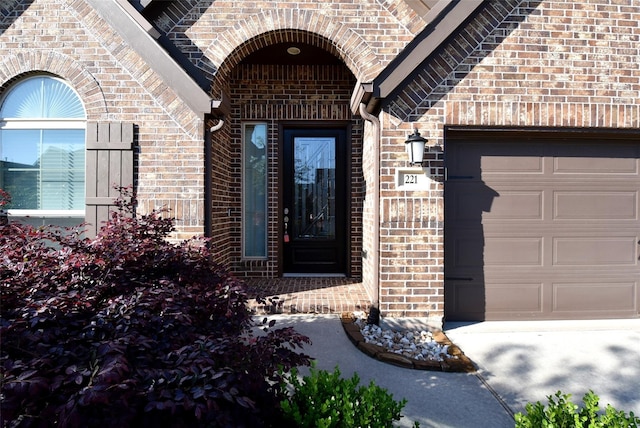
(9, 123)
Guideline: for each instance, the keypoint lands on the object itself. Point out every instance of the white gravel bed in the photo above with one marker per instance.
(419, 345)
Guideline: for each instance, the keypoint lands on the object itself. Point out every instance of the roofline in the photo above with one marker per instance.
(442, 20)
(141, 36)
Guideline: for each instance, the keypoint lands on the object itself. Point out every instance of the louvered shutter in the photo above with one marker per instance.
(109, 163)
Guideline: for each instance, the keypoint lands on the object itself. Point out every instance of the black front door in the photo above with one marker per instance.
(314, 200)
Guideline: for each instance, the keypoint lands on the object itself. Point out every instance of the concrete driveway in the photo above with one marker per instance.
(527, 361)
(519, 362)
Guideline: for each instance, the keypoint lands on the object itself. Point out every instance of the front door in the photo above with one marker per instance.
(314, 200)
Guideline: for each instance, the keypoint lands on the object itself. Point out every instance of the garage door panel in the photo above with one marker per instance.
(492, 165)
(469, 298)
(588, 148)
(471, 200)
(466, 298)
(595, 205)
(514, 297)
(513, 204)
(609, 296)
(537, 228)
(595, 165)
(466, 166)
(516, 251)
(595, 251)
(508, 297)
(466, 252)
(493, 159)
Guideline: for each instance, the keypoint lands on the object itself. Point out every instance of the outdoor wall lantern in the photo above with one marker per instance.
(415, 148)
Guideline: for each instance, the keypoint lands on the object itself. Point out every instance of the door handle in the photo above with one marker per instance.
(286, 225)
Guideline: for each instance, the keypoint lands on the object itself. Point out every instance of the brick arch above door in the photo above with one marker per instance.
(273, 26)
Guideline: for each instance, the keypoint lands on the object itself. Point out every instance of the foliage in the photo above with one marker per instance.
(5, 198)
(128, 329)
(561, 413)
(5, 201)
(325, 400)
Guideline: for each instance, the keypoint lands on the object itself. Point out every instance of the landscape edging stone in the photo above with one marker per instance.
(454, 361)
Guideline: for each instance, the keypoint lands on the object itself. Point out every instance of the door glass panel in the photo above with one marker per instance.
(254, 191)
(314, 188)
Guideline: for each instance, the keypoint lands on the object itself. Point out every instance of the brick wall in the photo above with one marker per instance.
(68, 39)
(515, 63)
(366, 35)
(272, 94)
(523, 64)
(370, 206)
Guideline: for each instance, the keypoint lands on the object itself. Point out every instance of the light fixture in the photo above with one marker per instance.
(415, 148)
(292, 50)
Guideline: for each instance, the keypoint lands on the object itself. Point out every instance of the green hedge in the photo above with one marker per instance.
(324, 399)
(562, 413)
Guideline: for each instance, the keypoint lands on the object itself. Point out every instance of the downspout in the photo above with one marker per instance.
(217, 126)
(208, 166)
(374, 310)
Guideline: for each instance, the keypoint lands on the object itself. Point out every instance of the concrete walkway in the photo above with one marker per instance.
(519, 362)
(435, 399)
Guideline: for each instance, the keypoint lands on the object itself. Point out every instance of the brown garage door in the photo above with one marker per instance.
(542, 225)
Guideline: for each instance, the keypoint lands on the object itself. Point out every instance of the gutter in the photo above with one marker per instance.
(208, 176)
(142, 38)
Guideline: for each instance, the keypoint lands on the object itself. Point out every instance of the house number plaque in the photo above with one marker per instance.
(412, 179)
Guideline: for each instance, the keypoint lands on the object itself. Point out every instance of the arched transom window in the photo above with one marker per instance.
(42, 150)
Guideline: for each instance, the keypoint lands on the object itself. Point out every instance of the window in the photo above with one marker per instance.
(254, 190)
(42, 151)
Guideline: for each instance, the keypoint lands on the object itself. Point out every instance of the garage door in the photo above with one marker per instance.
(542, 225)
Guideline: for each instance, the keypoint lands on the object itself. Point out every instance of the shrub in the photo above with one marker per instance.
(5, 202)
(561, 412)
(128, 329)
(326, 400)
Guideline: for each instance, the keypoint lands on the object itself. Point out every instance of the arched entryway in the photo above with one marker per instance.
(292, 159)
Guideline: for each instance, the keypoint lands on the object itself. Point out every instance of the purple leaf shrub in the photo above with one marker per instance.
(128, 329)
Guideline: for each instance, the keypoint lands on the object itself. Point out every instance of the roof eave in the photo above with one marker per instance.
(442, 20)
(142, 38)
(363, 93)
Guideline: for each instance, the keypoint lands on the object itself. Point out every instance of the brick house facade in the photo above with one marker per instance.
(189, 75)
